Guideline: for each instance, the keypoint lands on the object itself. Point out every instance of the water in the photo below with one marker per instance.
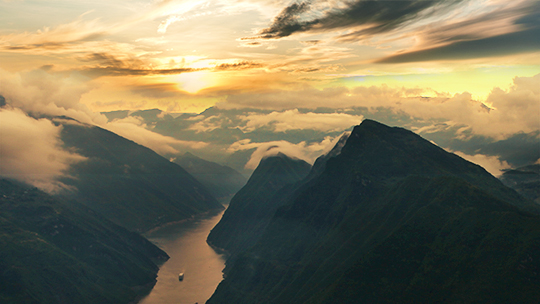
(185, 243)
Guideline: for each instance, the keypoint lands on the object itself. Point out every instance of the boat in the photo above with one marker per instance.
(181, 276)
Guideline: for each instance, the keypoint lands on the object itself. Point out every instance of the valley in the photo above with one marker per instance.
(382, 216)
(270, 152)
(189, 253)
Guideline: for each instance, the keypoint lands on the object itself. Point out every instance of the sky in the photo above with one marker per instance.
(263, 74)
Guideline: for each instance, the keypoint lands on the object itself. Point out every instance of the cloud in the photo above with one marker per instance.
(495, 19)
(133, 128)
(518, 150)
(512, 43)
(506, 28)
(41, 92)
(242, 65)
(492, 164)
(439, 30)
(374, 16)
(128, 63)
(208, 124)
(162, 28)
(504, 113)
(302, 150)
(30, 151)
(80, 31)
(158, 90)
(129, 71)
(294, 120)
(251, 44)
(56, 38)
(116, 62)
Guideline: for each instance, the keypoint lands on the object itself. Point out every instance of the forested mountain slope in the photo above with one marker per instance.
(393, 219)
(57, 251)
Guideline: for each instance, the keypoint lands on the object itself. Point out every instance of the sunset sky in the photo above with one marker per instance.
(472, 65)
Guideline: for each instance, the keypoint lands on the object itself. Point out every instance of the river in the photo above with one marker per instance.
(185, 243)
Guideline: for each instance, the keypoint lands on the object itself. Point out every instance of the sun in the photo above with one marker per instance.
(195, 81)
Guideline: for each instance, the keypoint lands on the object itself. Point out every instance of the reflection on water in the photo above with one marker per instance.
(185, 243)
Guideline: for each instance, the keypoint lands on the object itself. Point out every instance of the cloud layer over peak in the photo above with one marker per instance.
(31, 151)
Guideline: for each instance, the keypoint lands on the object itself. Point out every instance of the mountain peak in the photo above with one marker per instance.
(252, 207)
(280, 161)
(391, 218)
(370, 122)
(278, 155)
(190, 155)
(386, 153)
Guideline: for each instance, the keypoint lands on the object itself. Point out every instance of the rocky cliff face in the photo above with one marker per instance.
(393, 219)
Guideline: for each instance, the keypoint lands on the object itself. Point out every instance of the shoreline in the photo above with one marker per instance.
(185, 242)
(193, 217)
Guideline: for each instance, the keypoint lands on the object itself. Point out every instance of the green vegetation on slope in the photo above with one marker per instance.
(56, 251)
(130, 184)
(393, 219)
(252, 207)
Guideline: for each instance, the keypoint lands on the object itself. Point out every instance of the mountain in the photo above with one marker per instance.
(320, 162)
(525, 180)
(393, 219)
(252, 207)
(57, 251)
(129, 184)
(221, 181)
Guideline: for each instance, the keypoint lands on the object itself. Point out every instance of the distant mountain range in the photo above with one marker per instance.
(220, 128)
(391, 218)
(58, 251)
(525, 180)
(251, 209)
(221, 181)
(129, 184)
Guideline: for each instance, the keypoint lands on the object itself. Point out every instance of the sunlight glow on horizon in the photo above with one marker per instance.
(181, 56)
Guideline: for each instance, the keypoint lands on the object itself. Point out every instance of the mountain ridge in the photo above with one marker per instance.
(222, 181)
(128, 183)
(250, 209)
(58, 251)
(380, 221)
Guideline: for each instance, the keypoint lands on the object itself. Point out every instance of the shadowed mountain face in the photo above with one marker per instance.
(130, 184)
(525, 180)
(221, 181)
(393, 219)
(252, 207)
(56, 251)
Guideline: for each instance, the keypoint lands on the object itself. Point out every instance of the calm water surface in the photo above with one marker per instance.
(185, 243)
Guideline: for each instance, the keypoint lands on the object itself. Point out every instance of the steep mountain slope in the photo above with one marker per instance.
(252, 207)
(393, 219)
(54, 251)
(320, 162)
(130, 184)
(221, 181)
(525, 180)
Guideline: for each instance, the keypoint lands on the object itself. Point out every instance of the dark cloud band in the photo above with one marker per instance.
(512, 43)
(378, 15)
